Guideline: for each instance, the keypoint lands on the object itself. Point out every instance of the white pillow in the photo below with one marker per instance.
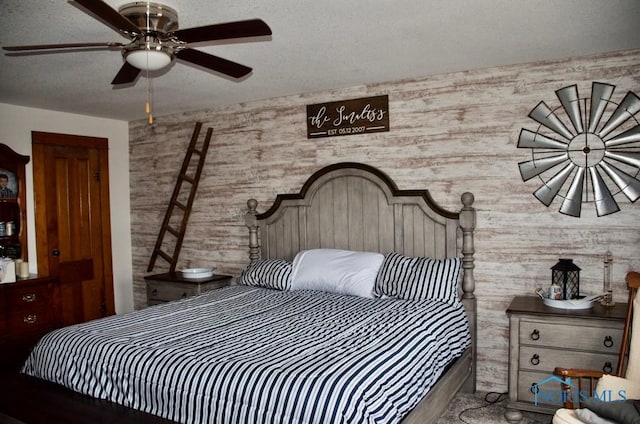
(620, 388)
(336, 271)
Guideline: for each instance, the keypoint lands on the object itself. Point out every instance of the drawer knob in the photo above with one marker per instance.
(535, 334)
(184, 295)
(607, 367)
(29, 297)
(30, 319)
(608, 341)
(535, 359)
(534, 388)
(154, 292)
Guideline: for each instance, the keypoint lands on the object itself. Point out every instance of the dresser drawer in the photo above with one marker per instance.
(574, 337)
(30, 320)
(542, 359)
(28, 297)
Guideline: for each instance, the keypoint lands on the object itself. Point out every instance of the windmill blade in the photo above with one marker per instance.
(127, 73)
(545, 116)
(110, 16)
(570, 101)
(630, 136)
(628, 107)
(572, 203)
(547, 192)
(629, 158)
(538, 141)
(214, 63)
(600, 95)
(625, 182)
(239, 29)
(605, 204)
(535, 167)
(39, 47)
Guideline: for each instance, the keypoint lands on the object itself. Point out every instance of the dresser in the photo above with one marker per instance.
(27, 312)
(162, 288)
(542, 338)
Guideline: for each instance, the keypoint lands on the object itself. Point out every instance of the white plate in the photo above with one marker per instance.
(196, 272)
(585, 303)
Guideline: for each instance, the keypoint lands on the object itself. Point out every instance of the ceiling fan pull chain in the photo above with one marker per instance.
(149, 92)
(148, 107)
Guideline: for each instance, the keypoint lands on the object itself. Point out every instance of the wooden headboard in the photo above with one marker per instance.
(358, 207)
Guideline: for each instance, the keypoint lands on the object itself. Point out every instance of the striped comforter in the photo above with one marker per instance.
(253, 355)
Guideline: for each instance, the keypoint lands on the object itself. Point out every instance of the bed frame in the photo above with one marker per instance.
(358, 207)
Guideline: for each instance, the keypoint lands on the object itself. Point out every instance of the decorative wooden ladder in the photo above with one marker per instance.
(177, 216)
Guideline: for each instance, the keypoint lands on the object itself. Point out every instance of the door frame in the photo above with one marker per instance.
(43, 245)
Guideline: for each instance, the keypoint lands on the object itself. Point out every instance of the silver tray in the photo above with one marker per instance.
(584, 303)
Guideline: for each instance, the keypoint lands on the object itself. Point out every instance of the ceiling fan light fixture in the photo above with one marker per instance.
(149, 56)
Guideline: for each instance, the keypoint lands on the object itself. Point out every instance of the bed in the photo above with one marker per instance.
(271, 349)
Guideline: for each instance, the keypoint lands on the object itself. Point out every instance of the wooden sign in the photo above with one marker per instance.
(346, 117)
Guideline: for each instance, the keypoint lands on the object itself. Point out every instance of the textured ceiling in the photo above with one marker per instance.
(315, 46)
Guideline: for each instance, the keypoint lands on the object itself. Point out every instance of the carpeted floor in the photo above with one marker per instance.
(484, 408)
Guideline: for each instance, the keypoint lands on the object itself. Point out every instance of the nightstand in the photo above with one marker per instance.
(162, 288)
(542, 338)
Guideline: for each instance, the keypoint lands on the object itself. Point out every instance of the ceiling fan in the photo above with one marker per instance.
(156, 40)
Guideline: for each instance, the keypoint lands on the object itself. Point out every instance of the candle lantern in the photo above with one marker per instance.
(566, 274)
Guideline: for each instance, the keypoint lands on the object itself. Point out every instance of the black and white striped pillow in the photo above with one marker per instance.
(418, 278)
(269, 273)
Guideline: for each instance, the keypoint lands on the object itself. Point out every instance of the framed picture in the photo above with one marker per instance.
(8, 184)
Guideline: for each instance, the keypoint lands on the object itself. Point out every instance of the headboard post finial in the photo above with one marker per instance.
(467, 221)
(252, 224)
(468, 225)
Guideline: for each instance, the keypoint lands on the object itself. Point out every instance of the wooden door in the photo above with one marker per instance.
(73, 230)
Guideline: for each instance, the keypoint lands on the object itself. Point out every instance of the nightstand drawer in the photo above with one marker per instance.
(562, 335)
(528, 384)
(542, 359)
(166, 292)
(168, 287)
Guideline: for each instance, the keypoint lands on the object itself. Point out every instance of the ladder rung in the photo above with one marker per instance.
(165, 256)
(188, 179)
(173, 231)
(180, 205)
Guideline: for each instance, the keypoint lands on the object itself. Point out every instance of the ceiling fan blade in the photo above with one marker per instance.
(110, 15)
(59, 46)
(239, 29)
(214, 63)
(127, 73)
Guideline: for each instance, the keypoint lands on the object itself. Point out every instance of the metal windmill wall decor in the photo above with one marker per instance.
(599, 155)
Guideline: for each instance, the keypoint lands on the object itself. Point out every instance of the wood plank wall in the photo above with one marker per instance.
(449, 133)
